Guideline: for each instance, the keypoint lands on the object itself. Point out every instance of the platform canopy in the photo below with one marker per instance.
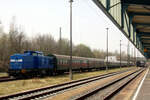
(132, 17)
(139, 11)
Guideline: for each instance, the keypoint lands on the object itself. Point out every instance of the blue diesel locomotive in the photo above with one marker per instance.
(35, 63)
(31, 63)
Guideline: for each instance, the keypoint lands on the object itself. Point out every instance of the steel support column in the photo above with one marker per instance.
(123, 10)
(130, 22)
(134, 31)
(107, 5)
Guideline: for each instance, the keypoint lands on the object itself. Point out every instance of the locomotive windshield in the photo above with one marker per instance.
(40, 54)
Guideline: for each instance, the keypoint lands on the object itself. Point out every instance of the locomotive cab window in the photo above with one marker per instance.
(40, 54)
(34, 54)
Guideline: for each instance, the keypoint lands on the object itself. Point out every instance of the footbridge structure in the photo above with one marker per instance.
(132, 17)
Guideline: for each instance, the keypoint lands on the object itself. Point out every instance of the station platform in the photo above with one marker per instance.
(143, 91)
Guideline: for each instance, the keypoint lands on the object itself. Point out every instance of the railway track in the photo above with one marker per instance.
(6, 79)
(107, 91)
(52, 90)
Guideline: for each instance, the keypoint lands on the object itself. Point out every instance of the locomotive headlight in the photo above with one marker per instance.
(12, 60)
(16, 60)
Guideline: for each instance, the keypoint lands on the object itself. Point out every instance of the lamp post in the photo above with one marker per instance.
(120, 53)
(107, 48)
(128, 53)
(126, 45)
(60, 40)
(134, 55)
(70, 68)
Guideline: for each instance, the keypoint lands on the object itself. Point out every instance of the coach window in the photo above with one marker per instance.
(67, 61)
(64, 61)
(60, 61)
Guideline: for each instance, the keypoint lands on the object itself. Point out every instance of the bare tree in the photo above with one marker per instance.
(83, 51)
(99, 53)
(45, 43)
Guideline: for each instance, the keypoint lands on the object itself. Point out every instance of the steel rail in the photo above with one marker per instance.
(113, 93)
(101, 88)
(6, 79)
(31, 94)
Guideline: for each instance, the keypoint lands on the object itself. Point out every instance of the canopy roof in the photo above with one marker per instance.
(139, 10)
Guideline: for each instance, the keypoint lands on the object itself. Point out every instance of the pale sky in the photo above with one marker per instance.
(46, 16)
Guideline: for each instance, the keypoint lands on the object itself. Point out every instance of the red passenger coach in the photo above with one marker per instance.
(78, 63)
